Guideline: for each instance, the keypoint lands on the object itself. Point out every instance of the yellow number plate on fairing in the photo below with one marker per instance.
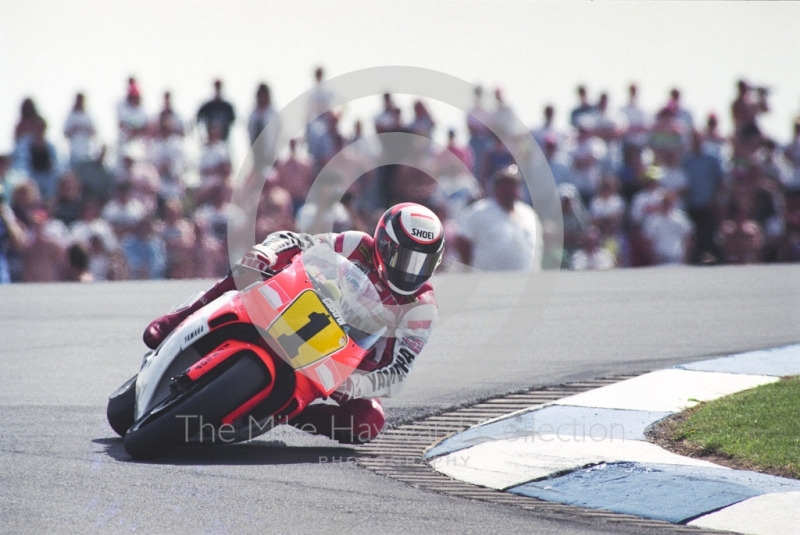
(307, 331)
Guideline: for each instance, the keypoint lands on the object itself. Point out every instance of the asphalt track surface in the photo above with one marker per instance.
(66, 347)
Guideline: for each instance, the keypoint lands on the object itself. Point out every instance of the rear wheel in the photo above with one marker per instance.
(121, 411)
(180, 417)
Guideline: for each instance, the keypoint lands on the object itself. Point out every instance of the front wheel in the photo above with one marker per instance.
(180, 417)
(121, 411)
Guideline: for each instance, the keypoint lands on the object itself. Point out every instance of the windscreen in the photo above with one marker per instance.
(348, 293)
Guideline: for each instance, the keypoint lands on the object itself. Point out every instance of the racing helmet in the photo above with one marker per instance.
(409, 242)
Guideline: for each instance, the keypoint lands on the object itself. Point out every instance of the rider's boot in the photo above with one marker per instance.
(160, 328)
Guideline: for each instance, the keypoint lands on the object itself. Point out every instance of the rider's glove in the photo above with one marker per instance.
(259, 258)
(345, 392)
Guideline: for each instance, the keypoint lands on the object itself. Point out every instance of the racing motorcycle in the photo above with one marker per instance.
(252, 359)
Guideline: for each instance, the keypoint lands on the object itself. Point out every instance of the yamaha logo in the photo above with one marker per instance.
(424, 234)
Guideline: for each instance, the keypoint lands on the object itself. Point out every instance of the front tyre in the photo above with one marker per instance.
(176, 420)
(121, 411)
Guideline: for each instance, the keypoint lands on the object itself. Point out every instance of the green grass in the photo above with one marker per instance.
(758, 429)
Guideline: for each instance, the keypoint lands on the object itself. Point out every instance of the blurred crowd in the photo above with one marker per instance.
(636, 189)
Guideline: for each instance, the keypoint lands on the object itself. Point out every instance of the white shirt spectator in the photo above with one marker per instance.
(126, 215)
(674, 179)
(611, 206)
(168, 157)
(503, 241)
(668, 234)
(319, 101)
(213, 155)
(645, 202)
(600, 258)
(83, 231)
(130, 118)
(587, 178)
(79, 129)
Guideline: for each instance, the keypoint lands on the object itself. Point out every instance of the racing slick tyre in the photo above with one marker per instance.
(179, 418)
(121, 411)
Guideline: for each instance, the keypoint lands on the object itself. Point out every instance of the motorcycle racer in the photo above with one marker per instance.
(398, 259)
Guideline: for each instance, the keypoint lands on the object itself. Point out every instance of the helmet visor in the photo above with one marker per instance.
(407, 269)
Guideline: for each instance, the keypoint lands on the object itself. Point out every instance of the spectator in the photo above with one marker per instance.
(576, 220)
(607, 208)
(746, 144)
(263, 142)
(704, 184)
(208, 254)
(591, 255)
(682, 115)
(674, 178)
(644, 203)
(321, 98)
(166, 154)
(29, 119)
(547, 129)
(760, 200)
(636, 121)
(44, 250)
(423, 124)
(746, 109)
(742, 237)
(503, 120)
(714, 144)
(78, 264)
(217, 111)
(275, 211)
(105, 264)
(214, 212)
(91, 226)
(178, 236)
(68, 199)
(36, 158)
(170, 116)
(141, 174)
(295, 174)
(792, 154)
(668, 230)
(414, 183)
(12, 236)
(586, 155)
(145, 252)
(632, 170)
(453, 172)
(603, 125)
(666, 136)
(131, 117)
(558, 162)
(583, 108)
(215, 158)
(463, 154)
(321, 137)
(79, 130)
(608, 212)
(124, 212)
(24, 200)
(649, 198)
(494, 160)
(605, 128)
(96, 179)
(501, 232)
(324, 212)
(389, 120)
(480, 140)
